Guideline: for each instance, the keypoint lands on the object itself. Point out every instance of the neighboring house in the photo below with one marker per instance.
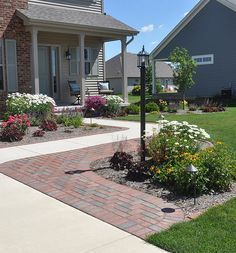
(208, 32)
(164, 72)
(37, 38)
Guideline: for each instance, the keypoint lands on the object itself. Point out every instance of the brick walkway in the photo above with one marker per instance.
(128, 209)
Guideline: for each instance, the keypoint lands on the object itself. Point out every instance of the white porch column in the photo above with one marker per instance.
(154, 90)
(35, 61)
(82, 69)
(124, 70)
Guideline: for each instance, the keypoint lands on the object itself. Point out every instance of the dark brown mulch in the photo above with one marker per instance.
(102, 167)
(61, 133)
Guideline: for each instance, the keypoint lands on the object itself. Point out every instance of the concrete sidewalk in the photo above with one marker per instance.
(32, 150)
(32, 222)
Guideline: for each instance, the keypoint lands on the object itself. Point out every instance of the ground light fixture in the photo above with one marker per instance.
(191, 169)
(142, 64)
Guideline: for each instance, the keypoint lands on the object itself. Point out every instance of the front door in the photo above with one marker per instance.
(49, 71)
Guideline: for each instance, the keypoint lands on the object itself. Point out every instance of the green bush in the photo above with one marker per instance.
(40, 106)
(69, 120)
(216, 167)
(133, 109)
(113, 105)
(136, 90)
(177, 146)
(151, 107)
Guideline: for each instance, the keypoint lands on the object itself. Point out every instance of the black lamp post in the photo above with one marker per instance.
(143, 62)
(193, 170)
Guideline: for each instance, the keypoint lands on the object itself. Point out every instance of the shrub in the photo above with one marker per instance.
(11, 134)
(48, 125)
(215, 171)
(35, 105)
(95, 102)
(211, 106)
(113, 105)
(177, 146)
(38, 133)
(163, 105)
(137, 172)
(151, 107)
(15, 127)
(69, 120)
(34, 121)
(136, 90)
(174, 138)
(192, 107)
(121, 161)
(183, 104)
(133, 109)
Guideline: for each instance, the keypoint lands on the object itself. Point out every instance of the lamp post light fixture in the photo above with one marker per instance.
(193, 170)
(68, 55)
(142, 64)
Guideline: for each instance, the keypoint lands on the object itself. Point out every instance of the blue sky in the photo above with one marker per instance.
(153, 18)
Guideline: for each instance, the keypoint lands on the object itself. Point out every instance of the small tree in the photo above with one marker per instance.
(148, 79)
(184, 69)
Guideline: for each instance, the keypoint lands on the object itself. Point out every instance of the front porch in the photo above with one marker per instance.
(53, 39)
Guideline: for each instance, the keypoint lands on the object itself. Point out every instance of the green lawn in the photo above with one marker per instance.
(213, 232)
(221, 126)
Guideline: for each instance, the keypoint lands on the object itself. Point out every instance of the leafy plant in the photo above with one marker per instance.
(94, 102)
(11, 134)
(48, 125)
(151, 107)
(193, 107)
(20, 122)
(133, 109)
(38, 105)
(136, 90)
(38, 133)
(113, 105)
(163, 105)
(121, 161)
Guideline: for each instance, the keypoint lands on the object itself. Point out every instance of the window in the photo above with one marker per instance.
(204, 59)
(90, 58)
(11, 65)
(1, 66)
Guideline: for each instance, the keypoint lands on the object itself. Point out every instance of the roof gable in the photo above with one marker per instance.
(185, 21)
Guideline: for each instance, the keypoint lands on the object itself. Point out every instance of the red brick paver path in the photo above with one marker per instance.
(128, 209)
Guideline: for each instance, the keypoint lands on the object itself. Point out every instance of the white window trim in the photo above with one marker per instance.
(16, 76)
(3, 64)
(195, 57)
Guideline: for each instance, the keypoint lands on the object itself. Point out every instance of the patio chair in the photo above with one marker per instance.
(104, 88)
(75, 91)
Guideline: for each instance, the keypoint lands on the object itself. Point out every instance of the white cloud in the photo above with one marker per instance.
(147, 28)
(161, 26)
(186, 13)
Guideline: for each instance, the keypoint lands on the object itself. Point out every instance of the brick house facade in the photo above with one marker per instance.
(36, 36)
(12, 28)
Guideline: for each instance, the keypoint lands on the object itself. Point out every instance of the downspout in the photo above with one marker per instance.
(129, 41)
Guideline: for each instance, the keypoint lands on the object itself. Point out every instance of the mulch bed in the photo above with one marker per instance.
(61, 133)
(102, 167)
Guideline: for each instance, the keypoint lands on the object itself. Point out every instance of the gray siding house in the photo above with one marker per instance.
(164, 72)
(46, 43)
(208, 32)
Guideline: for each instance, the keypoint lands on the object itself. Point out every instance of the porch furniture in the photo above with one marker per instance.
(75, 91)
(104, 88)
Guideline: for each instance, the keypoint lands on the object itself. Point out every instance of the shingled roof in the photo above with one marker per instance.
(73, 18)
